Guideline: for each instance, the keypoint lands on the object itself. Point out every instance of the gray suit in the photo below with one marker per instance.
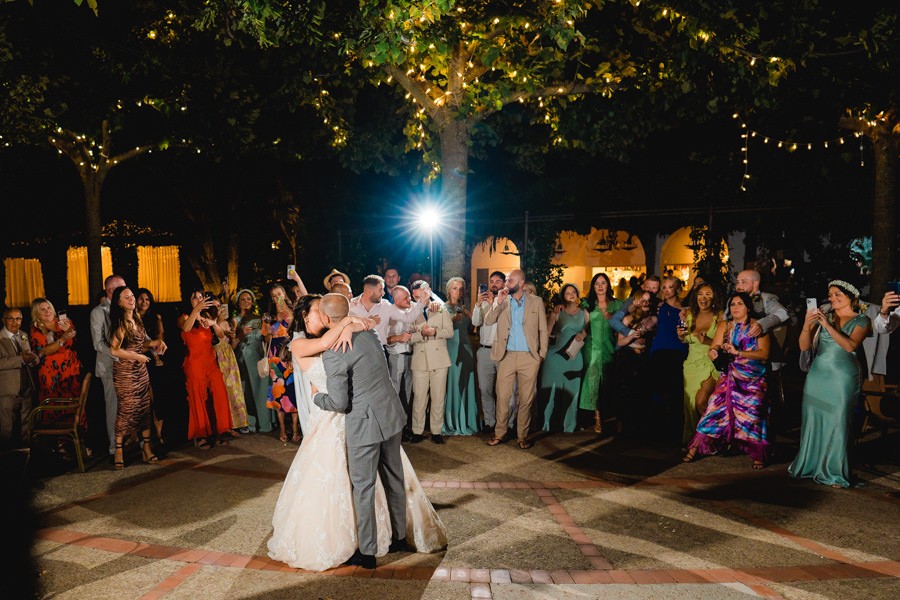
(104, 367)
(16, 389)
(360, 386)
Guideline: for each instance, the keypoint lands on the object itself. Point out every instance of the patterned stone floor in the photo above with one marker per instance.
(576, 516)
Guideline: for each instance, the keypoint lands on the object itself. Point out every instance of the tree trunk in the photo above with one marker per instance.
(234, 239)
(884, 215)
(92, 183)
(454, 136)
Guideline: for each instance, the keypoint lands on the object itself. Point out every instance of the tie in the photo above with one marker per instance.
(15, 341)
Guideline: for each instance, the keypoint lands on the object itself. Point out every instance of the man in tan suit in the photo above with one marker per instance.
(430, 364)
(16, 379)
(520, 346)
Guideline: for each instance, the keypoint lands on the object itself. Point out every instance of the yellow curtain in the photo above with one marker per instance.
(76, 258)
(159, 270)
(24, 281)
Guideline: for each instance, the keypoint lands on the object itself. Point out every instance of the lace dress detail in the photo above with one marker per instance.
(314, 522)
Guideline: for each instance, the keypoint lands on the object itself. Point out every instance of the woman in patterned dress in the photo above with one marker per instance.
(202, 374)
(128, 342)
(736, 412)
(153, 324)
(59, 374)
(230, 372)
(277, 331)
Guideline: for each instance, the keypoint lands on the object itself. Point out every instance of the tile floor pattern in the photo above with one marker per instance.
(592, 573)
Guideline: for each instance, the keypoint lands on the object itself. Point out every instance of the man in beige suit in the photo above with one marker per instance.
(16, 379)
(519, 348)
(430, 364)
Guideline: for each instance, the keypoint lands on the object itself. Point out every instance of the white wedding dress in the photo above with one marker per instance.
(314, 521)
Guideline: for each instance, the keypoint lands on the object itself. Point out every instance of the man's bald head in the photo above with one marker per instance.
(515, 280)
(333, 308)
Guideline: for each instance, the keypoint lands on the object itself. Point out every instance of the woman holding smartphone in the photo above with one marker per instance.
(249, 348)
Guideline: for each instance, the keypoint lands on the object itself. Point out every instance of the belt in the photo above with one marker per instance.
(486, 346)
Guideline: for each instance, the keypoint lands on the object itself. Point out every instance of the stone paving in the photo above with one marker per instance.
(577, 516)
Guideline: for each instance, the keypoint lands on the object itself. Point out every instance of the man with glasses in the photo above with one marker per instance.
(16, 380)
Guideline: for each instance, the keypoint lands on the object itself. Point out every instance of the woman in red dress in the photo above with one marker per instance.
(202, 372)
(52, 339)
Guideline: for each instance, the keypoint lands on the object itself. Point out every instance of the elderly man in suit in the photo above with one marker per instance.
(360, 386)
(16, 379)
(430, 365)
(519, 348)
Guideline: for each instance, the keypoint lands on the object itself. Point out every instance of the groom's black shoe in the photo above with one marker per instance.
(366, 561)
(416, 438)
(438, 439)
(400, 546)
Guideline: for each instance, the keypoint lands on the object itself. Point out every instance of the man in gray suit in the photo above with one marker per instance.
(103, 369)
(16, 380)
(360, 386)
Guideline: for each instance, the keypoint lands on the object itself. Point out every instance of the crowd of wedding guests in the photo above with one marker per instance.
(638, 358)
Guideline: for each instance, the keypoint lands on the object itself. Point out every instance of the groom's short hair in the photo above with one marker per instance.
(335, 306)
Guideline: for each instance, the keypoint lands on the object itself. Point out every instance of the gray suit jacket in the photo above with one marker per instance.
(359, 384)
(12, 371)
(100, 338)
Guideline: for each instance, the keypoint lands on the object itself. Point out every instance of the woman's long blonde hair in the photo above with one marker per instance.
(36, 315)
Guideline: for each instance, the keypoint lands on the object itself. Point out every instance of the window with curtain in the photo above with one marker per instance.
(159, 270)
(76, 258)
(24, 281)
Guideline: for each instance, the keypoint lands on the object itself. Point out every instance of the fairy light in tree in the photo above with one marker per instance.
(786, 144)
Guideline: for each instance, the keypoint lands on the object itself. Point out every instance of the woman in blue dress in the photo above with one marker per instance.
(832, 387)
(461, 404)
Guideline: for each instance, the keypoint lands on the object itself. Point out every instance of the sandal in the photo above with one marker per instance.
(233, 433)
(690, 456)
(220, 442)
(758, 464)
(296, 438)
(202, 443)
(152, 459)
(283, 437)
(495, 442)
(525, 444)
(118, 465)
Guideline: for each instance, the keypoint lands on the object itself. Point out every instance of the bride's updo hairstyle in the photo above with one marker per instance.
(301, 311)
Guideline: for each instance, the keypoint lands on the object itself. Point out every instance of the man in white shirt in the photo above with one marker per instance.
(399, 350)
(484, 364)
(371, 303)
(104, 367)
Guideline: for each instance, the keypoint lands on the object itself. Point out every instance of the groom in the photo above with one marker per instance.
(360, 386)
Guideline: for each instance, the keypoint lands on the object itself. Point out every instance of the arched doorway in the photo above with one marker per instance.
(503, 257)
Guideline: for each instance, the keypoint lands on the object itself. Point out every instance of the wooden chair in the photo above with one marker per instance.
(67, 425)
(873, 417)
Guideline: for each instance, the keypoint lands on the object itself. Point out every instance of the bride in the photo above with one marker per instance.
(314, 522)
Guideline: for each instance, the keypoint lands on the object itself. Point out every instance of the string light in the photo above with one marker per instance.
(789, 145)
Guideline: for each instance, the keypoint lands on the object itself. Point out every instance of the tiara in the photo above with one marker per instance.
(844, 286)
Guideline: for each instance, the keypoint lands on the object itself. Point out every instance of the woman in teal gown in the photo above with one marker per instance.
(599, 347)
(460, 404)
(560, 374)
(249, 349)
(832, 387)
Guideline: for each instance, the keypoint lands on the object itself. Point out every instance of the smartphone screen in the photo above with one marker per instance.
(291, 269)
(811, 304)
(62, 315)
(482, 288)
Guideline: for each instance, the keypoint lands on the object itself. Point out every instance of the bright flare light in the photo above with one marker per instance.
(428, 219)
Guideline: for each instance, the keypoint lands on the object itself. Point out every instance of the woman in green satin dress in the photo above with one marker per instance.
(460, 404)
(832, 387)
(599, 348)
(701, 319)
(560, 383)
(248, 348)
